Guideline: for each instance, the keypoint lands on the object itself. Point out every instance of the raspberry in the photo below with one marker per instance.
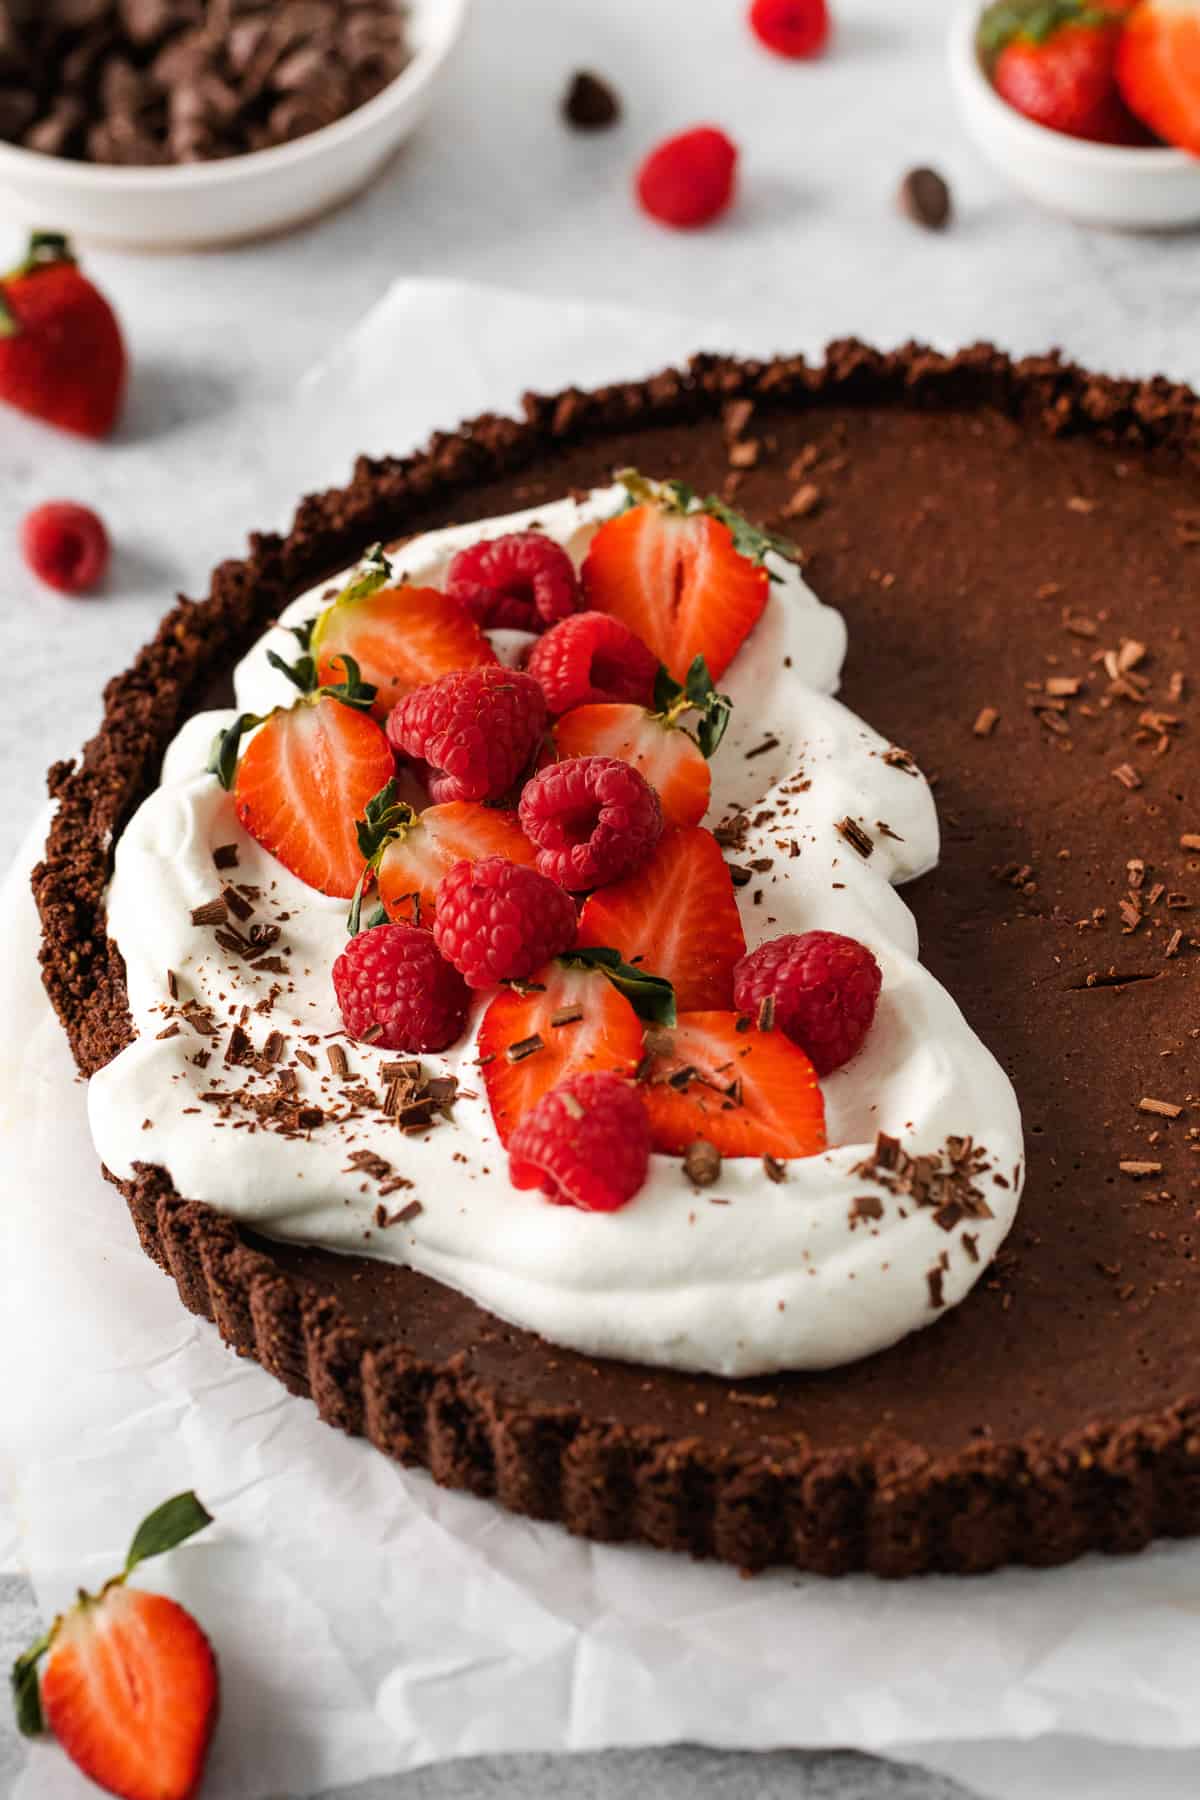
(523, 581)
(687, 180)
(824, 987)
(394, 976)
(499, 921)
(477, 729)
(586, 1143)
(791, 27)
(593, 819)
(590, 658)
(65, 545)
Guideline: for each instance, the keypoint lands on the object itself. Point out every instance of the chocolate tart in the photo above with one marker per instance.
(1016, 549)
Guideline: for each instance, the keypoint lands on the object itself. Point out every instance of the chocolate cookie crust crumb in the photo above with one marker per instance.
(1019, 1427)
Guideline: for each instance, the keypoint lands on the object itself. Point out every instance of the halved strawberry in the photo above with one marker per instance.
(687, 577)
(307, 774)
(675, 916)
(408, 852)
(400, 637)
(130, 1689)
(1158, 69)
(748, 1092)
(569, 1020)
(673, 760)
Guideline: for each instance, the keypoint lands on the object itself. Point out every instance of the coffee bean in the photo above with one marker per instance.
(925, 198)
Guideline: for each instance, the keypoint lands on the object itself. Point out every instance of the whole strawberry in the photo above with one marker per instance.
(1055, 62)
(130, 1686)
(62, 356)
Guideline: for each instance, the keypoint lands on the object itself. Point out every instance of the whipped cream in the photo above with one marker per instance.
(748, 1277)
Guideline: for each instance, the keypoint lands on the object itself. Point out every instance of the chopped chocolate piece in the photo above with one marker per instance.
(571, 1106)
(1163, 1109)
(1128, 776)
(590, 104)
(702, 1163)
(739, 876)
(339, 1062)
(370, 1163)
(924, 198)
(1063, 686)
(770, 742)
(936, 1277)
(172, 984)
(274, 1047)
(735, 416)
(1173, 943)
(895, 758)
(1138, 1169)
(865, 1207)
(745, 455)
(766, 1013)
(855, 836)
(525, 1047)
(213, 912)
(1190, 840)
(238, 1049)
(986, 721)
(774, 1168)
(225, 856)
(169, 1031)
(238, 905)
(566, 1015)
(199, 1018)
(307, 1058)
(412, 1211)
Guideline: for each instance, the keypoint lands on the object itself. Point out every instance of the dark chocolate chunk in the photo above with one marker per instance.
(925, 199)
(589, 103)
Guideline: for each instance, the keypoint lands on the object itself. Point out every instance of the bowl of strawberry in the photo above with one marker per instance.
(1091, 106)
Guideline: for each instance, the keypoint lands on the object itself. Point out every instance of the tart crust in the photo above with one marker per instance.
(1058, 1409)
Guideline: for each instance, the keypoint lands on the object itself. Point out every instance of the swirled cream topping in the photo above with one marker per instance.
(241, 1083)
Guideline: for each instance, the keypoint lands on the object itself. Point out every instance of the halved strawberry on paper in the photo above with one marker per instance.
(1158, 69)
(307, 773)
(671, 754)
(408, 852)
(714, 1075)
(574, 1017)
(687, 575)
(675, 917)
(401, 636)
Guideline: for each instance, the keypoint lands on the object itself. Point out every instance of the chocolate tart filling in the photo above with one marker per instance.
(1016, 550)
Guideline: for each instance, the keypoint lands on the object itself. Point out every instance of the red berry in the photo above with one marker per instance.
(688, 180)
(500, 921)
(593, 820)
(523, 581)
(586, 1143)
(791, 27)
(395, 977)
(590, 659)
(477, 730)
(825, 988)
(65, 545)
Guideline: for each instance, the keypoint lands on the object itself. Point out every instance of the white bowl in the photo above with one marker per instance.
(203, 205)
(1098, 184)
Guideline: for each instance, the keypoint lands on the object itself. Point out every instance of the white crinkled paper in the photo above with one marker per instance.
(367, 1621)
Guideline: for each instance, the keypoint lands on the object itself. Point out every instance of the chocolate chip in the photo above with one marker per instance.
(925, 199)
(589, 103)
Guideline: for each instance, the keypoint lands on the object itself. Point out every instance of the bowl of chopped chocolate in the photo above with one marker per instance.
(183, 124)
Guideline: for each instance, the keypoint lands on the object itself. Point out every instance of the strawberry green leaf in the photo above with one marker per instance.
(26, 1692)
(667, 691)
(750, 540)
(374, 572)
(170, 1524)
(652, 998)
(697, 694)
(1035, 21)
(9, 324)
(223, 757)
(303, 633)
(385, 819)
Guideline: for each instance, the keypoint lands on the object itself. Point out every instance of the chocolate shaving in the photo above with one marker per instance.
(775, 1168)
(855, 836)
(986, 720)
(237, 904)
(339, 1062)
(1128, 776)
(1162, 1109)
(213, 912)
(1138, 1169)
(565, 1015)
(702, 1163)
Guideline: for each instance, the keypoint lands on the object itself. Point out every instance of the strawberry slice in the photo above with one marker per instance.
(307, 774)
(672, 757)
(748, 1092)
(130, 1688)
(1158, 69)
(571, 1019)
(408, 852)
(675, 916)
(687, 577)
(400, 637)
